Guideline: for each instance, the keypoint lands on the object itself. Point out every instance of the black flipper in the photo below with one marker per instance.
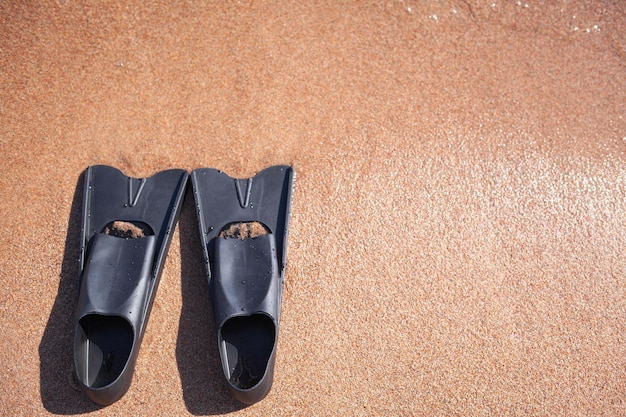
(126, 232)
(243, 230)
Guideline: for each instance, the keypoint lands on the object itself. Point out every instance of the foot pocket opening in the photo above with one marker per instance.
(103, 346)
(248, 342)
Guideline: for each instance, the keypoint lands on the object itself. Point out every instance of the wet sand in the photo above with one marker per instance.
(458, 230)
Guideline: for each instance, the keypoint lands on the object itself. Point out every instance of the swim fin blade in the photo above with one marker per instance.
(243, 229)
(127, 227)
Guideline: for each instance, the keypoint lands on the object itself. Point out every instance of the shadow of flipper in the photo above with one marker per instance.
(59, 393)
(198, 360)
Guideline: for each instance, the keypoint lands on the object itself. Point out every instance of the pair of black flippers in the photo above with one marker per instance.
(126, 232)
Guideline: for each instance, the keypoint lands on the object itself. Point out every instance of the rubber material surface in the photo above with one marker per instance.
(119, 275)
(245, 271)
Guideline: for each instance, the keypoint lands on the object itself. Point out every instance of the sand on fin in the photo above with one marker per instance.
(124, 230)
(244, 230)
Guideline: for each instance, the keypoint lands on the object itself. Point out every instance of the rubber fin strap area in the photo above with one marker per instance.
(126, 232)
(243, 228)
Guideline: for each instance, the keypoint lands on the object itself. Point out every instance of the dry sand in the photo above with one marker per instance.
(458, 229)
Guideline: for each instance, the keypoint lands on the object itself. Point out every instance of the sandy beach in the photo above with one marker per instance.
(457, 242)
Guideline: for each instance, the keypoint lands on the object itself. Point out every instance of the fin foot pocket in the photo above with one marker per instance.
(248, 342)
(103, 348)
